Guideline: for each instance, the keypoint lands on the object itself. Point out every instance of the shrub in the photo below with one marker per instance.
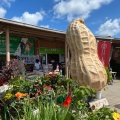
(10, 70)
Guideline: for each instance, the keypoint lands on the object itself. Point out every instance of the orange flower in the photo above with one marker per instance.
(18, 95)
(24, 94)
(67, 101)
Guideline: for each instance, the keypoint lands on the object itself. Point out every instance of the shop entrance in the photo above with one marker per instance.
(115, 61)
(53, 57)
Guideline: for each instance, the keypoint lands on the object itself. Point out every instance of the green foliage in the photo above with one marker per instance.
(109, 75)
(46, 111)
(81, 96)
(20, 85)
(45, 98)
(101, 114)
(83, 93)
(53, 80)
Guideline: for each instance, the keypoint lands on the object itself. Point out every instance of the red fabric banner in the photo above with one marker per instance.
(104, 49)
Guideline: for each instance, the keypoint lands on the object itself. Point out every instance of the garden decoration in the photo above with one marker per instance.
(85, 66)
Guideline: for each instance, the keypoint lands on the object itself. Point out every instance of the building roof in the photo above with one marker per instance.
(30, 31)
(104, 37)
(115, 41)
(37, 32)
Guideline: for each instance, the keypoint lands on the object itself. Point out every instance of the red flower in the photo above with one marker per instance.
(48, 87)
(67, 101)
(38, 91)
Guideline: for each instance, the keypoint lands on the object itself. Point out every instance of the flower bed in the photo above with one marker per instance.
(47, 98)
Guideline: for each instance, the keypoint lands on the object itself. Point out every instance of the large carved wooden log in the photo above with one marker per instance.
(85, 66)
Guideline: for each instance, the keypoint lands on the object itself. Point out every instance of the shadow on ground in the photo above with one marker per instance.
(117, 106)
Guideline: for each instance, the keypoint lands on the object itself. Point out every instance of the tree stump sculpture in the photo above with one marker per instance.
(85, 66)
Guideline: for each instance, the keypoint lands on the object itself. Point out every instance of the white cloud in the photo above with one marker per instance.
(77, 8)
(45, 26)
(6, 2)
(30, 18)
(2, 12)
(109, 28)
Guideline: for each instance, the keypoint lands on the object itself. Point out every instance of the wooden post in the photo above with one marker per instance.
(46, 58)
(38, 47)
(66, 64)
(35, 47)
(7, 46)
(66, 60)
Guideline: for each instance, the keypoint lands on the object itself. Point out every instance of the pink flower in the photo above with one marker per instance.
(48, 87)
(36, 85)
(36, 94)
(39, 91)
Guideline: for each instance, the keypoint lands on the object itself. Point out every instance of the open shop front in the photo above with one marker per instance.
(49, 54)
(109, 54)
(12, 43)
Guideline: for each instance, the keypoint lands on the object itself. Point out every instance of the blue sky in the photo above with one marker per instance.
(102, 17)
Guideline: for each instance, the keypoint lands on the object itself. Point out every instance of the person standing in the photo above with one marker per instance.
(37, 65)
(54, 63)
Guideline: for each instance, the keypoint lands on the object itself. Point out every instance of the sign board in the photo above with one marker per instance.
(104, 49)
(28, 59)
(97, 104)
(18, 45)
(52, 50)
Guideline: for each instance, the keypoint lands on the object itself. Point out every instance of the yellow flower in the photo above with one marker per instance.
(116, 116)
(7, 96)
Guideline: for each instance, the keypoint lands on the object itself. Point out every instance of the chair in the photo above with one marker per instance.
(113, 74)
